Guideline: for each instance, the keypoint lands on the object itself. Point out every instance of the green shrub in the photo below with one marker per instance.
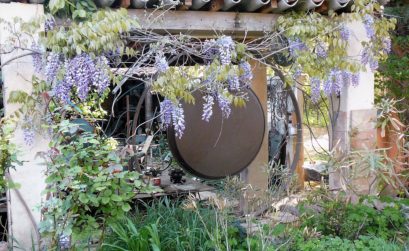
(350, 221)
(363, 243)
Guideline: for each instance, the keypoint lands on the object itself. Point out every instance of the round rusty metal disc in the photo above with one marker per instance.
(220, 147)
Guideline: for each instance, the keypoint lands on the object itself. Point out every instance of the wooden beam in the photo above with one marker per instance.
(205, 23)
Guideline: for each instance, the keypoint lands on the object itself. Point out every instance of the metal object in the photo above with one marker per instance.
(176, 176)
(220, 147)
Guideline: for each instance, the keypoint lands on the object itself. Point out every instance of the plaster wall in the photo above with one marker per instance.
(17, 76)
(356, 115)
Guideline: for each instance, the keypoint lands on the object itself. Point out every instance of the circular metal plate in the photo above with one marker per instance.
(220, 147)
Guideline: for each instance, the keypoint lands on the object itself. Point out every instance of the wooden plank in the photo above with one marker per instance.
(269, 7)
(256, 174)
(205, 23)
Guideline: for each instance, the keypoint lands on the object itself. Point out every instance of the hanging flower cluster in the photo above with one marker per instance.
(224, 81)
(173, 115)
(319, 48)
(80, 74)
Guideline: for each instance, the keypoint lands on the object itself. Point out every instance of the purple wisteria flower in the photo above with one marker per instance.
(355, 79)
(173, 115)
(225, 45)
(233, 82)
(224, 105)
(49, 23)
(344, 32)
(296, 45)
(373, 64)
(315, 89)
(178, 119)
(365, 56)
(320, 50)
(346, 77)
(28, 135)
(334, 82)
(161, 64)
(52, 66)
(337, 81)
(28, 131)
(62, 91)
(297, 73)
(369, 26)
(246, 74)
(386, 45)
(100, 78)
(210, 50)
(327, 87)
(207, 107)
(166, 107)
(79, 73)
(37, 58)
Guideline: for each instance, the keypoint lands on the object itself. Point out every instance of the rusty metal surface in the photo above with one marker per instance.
(220, 147)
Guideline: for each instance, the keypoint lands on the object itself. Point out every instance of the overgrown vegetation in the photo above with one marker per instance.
(337, 225)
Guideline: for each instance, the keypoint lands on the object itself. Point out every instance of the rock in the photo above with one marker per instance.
(291, 200)
(290, 209)
(283, 217)
(315, 172)
(315, 208)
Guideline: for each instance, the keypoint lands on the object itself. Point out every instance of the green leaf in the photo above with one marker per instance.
(126, 207)
(83, 198)
(116, 198)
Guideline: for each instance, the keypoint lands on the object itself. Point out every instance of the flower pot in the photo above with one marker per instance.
(104, 3)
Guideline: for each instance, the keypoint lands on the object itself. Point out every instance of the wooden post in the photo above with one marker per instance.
(256, 174)
(299, 170)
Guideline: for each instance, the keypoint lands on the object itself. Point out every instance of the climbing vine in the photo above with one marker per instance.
(319, 45)
(77, 66)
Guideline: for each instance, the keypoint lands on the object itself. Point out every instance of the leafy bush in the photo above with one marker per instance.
(329, 243)
(87, 185)
(347, 220)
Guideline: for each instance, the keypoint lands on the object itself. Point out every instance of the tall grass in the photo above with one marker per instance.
(166, 225)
